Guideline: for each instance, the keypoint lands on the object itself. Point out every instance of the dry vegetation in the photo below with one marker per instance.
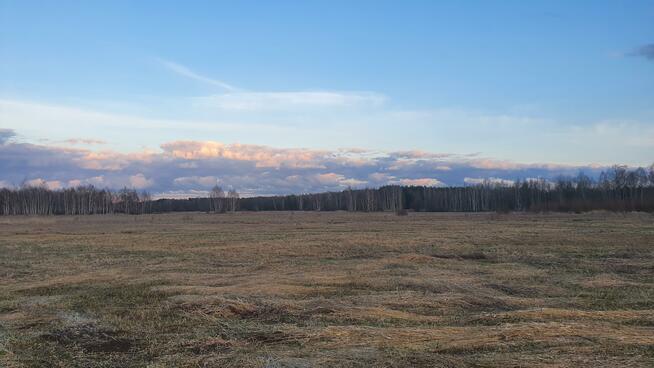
(327, 289)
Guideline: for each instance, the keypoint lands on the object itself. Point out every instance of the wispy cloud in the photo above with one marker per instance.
(238, 99)
(645, 51)
(252, 101)
(444, 130)
(86, 141)
(186, 72)
(60, 122)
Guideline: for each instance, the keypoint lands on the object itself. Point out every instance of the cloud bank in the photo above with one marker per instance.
(191, 168)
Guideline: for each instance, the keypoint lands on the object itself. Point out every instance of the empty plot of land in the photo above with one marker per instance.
(327, 289)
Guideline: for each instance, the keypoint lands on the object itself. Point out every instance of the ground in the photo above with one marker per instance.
(328, 290)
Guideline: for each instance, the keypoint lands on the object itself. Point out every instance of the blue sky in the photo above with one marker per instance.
(558, 83)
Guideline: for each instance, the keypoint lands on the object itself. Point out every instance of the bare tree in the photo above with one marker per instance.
(232, 200)
(217, 199)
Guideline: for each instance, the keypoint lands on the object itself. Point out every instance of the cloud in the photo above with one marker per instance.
(336, 180)
(202, 181)
(96, 181)
(40, 115)
(188, 73)
(39, 182)
(260, 156)
(251, 101)
(87, 141)
(191, 167)
(645, 51)
(6, 135)
(418, 154)
(382, 127)
(631, 134)
(491, 180)
(237, 99)
(427, 182)
(139, 181)
(181, 194)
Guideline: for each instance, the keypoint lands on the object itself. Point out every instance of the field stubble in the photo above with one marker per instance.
(328, 289)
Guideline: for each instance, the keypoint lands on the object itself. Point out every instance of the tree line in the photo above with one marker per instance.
(83, 200)
(617, 189)
(88, 200)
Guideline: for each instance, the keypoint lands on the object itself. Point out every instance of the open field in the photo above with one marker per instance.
(328, 289)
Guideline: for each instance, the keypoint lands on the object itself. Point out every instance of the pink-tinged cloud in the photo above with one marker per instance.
(425, 182)
(39, 182)
(262, 156)
(333, 179)
(139, 181)
(193, 167)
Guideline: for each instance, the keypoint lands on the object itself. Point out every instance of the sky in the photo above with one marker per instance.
(296, 96)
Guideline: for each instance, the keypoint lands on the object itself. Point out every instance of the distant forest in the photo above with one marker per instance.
(618, 189)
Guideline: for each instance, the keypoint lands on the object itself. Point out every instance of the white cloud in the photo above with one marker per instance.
(490, 180)
(628, 132)
(337, 180)
(84, 141)
(240, 100)
(248, 101)
(293, 118)
(57, 122)
(186, 72)
(427, 182)
(181, 194)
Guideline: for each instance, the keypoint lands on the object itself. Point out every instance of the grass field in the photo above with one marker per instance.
(328, 289)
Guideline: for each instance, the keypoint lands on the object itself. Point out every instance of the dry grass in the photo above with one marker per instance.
(328, 289)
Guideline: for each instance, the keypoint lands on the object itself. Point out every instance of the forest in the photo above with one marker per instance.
(616, 189)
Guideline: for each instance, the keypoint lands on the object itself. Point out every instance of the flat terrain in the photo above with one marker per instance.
(328, 289)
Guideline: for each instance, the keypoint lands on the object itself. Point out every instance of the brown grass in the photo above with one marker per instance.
(328, 289)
